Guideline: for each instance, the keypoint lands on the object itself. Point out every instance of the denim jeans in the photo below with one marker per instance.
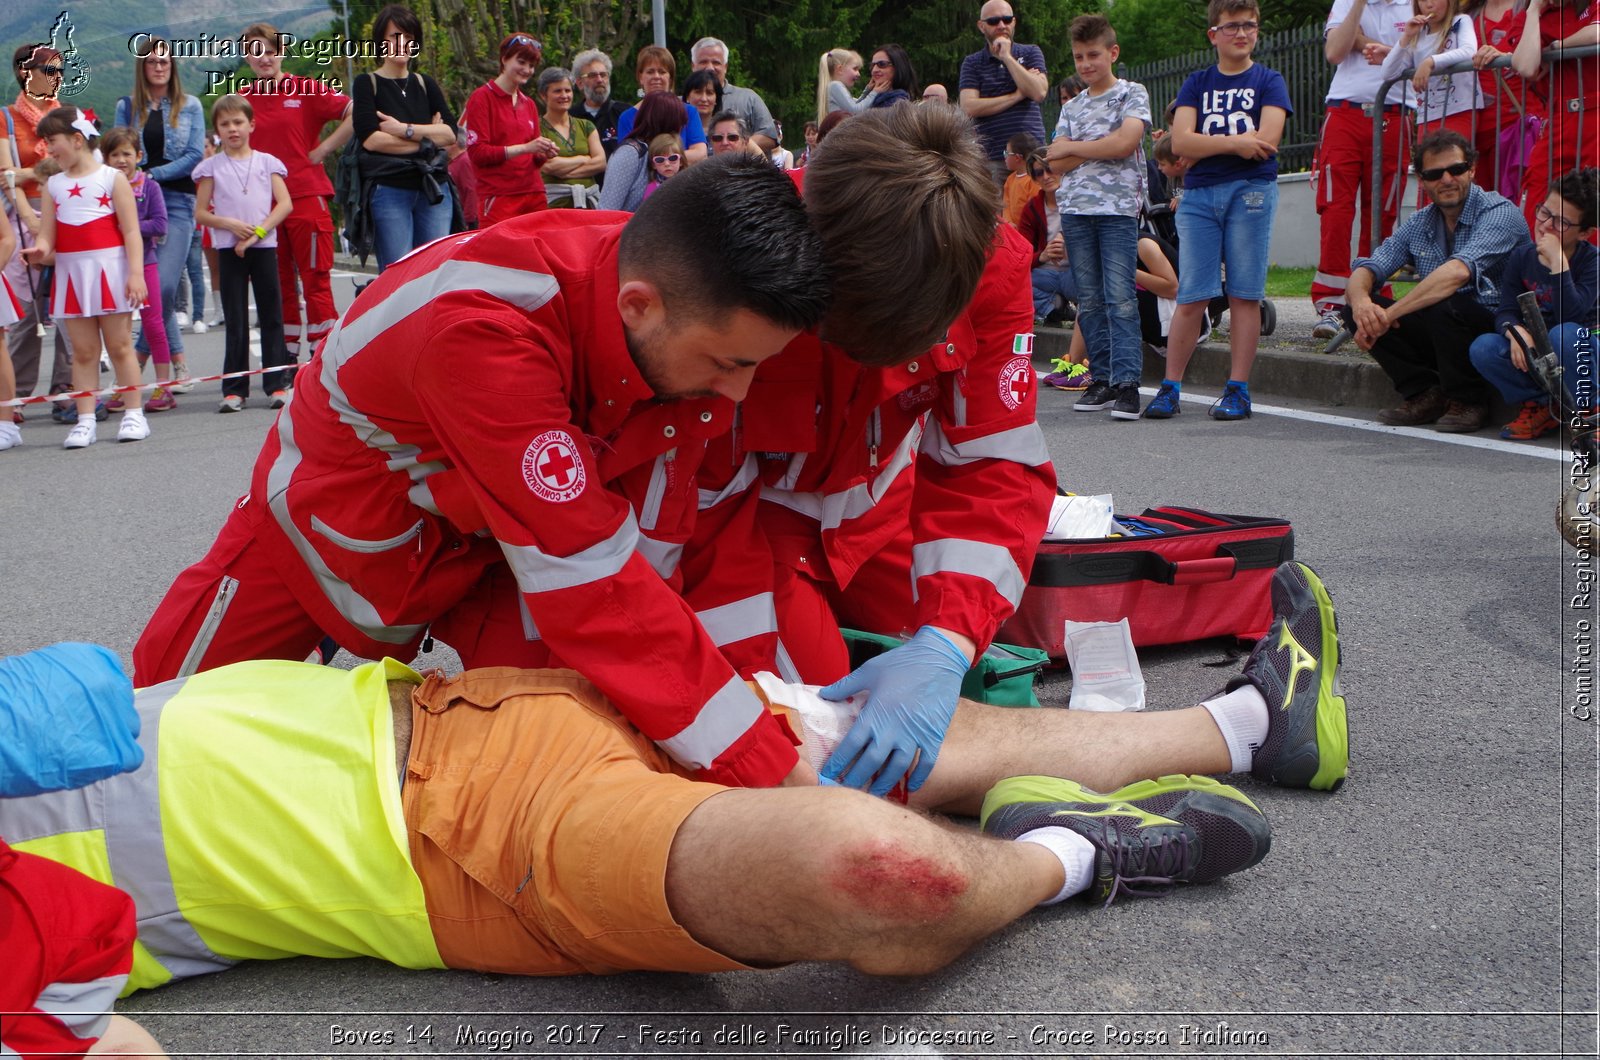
(402, 220)
(195, 287)
(1574, 346)
(1105, 252)
(1049, 281)
(1225, 222)
(172, 257)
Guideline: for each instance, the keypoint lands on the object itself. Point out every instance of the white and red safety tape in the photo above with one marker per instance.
(39, 399)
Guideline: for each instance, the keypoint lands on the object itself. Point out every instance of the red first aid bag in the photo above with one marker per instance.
(1206, 575)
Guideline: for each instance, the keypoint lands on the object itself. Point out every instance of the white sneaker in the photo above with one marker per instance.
(81, 436)
(231, 403)
(133, 427)
(199, 327)
(10, 436)
(181, 380)
(182, 318)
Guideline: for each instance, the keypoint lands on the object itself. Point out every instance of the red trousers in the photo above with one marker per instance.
(305, 249)
(494, 208)
(229, 607)
(1342, 178)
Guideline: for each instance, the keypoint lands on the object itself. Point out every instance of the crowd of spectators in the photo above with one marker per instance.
(540, 136)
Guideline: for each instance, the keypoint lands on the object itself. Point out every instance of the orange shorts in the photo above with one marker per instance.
(540, 822)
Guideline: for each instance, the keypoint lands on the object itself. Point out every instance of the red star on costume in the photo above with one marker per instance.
(104, 200)
(75, 191)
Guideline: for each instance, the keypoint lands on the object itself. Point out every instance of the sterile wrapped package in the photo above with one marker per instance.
(1105, 667)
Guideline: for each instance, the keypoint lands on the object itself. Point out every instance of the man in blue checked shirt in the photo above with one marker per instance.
(1456, 244)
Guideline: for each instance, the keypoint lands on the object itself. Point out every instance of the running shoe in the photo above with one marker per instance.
(115, 404)
(10, 436)
(64, 412)
(1295, 667)
(1330, 324)
(1150, 835)
(161, 400)
(81, 436)
(133, 427)
(101, 411)
(1069, 376)
(181, 380)
(231, 403)
(280, 398)
(1098, 396)
(181, 318)
(1234, 404)
(199, 327)
(1164, 405)
(1533, 421)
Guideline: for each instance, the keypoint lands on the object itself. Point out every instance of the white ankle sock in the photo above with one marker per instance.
(86, 417)
(1075, 853)
(1242, 717)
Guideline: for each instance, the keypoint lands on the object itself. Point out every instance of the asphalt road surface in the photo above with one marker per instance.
(1443, 903)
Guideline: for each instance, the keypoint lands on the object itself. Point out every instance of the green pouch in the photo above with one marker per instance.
(1004, 674)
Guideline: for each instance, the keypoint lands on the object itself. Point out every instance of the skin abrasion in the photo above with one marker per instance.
(883, 878)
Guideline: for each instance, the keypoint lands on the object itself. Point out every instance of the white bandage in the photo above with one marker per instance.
(823, 722)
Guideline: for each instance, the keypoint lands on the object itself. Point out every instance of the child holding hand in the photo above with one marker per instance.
(241, 196)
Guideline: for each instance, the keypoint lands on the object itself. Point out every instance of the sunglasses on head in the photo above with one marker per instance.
(1459, 169)
(522, 40)
(664, 160)
(1000, 20)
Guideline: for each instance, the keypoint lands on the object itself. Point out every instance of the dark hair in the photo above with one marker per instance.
(1217, 8)
(1037, 162)
(1090, 29)
(1581, 188)
(1021, 144)
(1072, 85)
(700, 79)
(905, 75)
(121, 136)
(58, 122)
(830, 123)
(658, 112)
(739, 219)
(1438, 142)
(28, 56)
(912, 180)
(401, 18)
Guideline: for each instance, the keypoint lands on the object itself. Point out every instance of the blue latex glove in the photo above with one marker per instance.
(66, 720)
(914, 688)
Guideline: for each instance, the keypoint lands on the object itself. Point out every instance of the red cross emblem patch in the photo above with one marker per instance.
(1016, 380)
(552, 467)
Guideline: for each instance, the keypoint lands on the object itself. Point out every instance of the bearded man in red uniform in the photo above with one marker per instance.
(504, 398)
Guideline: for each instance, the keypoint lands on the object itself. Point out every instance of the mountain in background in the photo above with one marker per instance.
(102, 29)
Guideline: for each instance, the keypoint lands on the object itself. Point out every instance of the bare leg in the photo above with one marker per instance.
(807, 874)
(985, 744)
(117, 329)
(84, 336)
(1244, 335)
(1184, 334)
(125, 1038)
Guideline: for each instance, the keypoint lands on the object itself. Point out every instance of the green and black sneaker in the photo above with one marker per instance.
(1295, 667)
(1151, 835)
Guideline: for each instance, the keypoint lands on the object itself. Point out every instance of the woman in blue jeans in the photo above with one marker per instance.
(403, 115)
(171, 125)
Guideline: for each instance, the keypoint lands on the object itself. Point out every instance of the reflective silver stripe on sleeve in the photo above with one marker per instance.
(742, 480)
(664, 556)
(954, 555)
(526, 290)
(832, 510)
(83, 1008)
(127, 809)
(959, 404)
(791, 474)
(540, 572)
(650, 509)
(750, 617)
(356, 609)
(1023, 445)
(724, 718)
(530, 629)
(786, 667)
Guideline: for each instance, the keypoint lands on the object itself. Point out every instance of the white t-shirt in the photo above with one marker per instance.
(1355, 79)
(1446, 94)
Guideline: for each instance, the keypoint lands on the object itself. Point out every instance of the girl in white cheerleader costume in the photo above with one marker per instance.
(10, 313)
(90, 229)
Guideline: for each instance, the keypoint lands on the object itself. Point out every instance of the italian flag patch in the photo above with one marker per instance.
(1022, 345)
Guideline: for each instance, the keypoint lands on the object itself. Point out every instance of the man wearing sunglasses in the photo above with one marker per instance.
(1002, 85)
(1456, 245)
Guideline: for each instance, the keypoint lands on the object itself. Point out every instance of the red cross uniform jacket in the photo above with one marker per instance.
(479, 404)
(839, 443)
(67, 946)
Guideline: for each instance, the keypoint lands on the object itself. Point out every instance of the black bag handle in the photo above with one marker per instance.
(1061, 571)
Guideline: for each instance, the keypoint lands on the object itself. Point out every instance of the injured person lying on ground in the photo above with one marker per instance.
(512, 821)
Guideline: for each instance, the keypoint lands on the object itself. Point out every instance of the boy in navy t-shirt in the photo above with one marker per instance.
(1229, 120)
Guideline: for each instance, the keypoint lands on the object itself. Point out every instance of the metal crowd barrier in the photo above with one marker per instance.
(1496, 111)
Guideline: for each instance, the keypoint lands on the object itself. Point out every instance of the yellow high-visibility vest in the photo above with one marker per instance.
(265, 822)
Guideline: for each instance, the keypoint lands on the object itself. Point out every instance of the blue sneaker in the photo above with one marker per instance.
(1234, 404)
(1164, 405)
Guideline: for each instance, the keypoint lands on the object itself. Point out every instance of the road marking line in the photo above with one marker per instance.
(1497, 445)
